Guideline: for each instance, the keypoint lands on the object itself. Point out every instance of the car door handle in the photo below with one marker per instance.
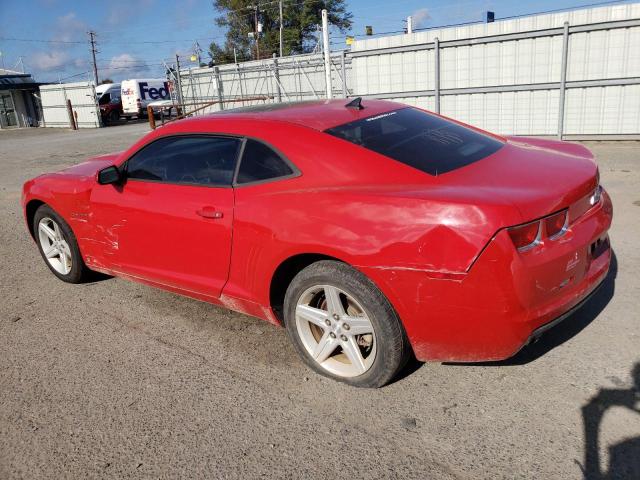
(209, 212)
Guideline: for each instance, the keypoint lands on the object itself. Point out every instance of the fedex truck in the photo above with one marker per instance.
(138, 93)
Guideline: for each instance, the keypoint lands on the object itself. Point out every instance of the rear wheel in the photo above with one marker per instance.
(343, 326)
(58, 246)
(114, 117)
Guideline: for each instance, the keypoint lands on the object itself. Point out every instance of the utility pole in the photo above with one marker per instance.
(281, 27)
(327, 54)
(256, 32)
(92, 40)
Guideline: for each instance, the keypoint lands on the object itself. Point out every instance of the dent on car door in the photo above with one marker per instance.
(170, 221)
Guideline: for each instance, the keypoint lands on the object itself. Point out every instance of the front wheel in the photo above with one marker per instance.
(343, 326)
(58, 246)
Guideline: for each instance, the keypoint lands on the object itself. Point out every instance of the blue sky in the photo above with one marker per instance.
(135, 36)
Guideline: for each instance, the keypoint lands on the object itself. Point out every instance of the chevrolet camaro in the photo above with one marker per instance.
(371, 230)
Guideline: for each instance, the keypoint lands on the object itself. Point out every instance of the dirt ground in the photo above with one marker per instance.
(115, 379)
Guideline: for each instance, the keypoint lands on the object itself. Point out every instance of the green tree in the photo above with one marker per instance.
(300, 31)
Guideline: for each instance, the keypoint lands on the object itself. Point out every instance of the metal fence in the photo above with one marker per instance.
(293, 78)
(574, 74)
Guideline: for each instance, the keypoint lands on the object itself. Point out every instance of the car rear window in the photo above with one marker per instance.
(419, 139)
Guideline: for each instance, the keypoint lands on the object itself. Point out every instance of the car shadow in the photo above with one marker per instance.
(96, 277)
(624, 457)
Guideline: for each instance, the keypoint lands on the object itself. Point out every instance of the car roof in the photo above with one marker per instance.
(107, 86)
(316, 114)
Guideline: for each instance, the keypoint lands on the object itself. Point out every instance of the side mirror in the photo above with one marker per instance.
(109, 175)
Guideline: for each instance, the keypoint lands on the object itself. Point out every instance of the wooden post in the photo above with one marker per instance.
(152, 120)
(75, 119)
(72, 123)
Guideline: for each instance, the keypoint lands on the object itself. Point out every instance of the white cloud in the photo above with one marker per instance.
(124, 65)
(124, 60)
(47, 61)
(69, 28)
(420, 18)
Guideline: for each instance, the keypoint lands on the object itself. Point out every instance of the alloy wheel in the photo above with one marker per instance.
(335, 331)
(54, 246)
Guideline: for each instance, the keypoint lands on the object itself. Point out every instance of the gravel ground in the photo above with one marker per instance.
(116, 379)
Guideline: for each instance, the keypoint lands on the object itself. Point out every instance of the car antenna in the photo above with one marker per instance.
(356, 103)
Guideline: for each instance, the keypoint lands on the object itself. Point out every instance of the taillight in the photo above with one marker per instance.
(531, 234)
(525, 236)
(556, 224)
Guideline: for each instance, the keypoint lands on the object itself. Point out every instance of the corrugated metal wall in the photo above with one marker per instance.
(83, 101)
(512, 71)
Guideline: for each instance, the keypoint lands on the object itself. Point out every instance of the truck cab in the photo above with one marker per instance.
(109, 101)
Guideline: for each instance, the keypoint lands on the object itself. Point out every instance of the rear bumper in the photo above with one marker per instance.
(507, 298)
(538, 332)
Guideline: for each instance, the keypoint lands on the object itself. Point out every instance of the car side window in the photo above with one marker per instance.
(199, 160)
(260, 162)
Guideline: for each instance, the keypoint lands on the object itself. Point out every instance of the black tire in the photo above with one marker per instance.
(393, 349)
(79, 271)
(114, 117)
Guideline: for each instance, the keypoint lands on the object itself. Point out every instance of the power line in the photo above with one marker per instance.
(76, 75)
(152, 42)
(8, 39)
(119, 42)
(336, 39)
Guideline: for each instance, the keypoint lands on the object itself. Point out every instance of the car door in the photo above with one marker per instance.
(170, 220)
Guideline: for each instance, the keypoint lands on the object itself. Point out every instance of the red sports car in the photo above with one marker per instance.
(369, 229)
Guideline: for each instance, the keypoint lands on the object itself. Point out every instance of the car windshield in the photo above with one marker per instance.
(419, 139)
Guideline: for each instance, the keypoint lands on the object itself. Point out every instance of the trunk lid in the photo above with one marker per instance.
(536, 176)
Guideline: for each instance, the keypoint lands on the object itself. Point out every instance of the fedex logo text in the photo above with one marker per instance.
(153, 93)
